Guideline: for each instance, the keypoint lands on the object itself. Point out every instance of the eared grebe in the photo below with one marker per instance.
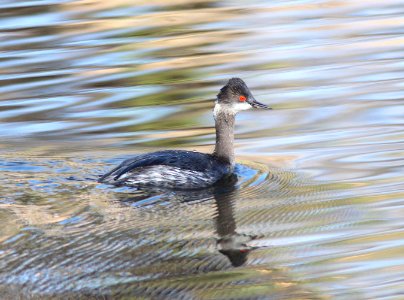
(179, 169)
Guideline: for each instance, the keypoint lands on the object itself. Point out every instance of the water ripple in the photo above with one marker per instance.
(316, 211)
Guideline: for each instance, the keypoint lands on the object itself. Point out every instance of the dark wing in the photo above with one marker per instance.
(177, 158)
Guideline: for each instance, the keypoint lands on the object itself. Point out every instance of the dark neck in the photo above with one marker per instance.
(224, 149)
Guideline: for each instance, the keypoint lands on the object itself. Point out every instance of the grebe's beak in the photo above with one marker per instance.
(254, 103)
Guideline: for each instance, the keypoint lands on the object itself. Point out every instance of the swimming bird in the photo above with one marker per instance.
(180, 169)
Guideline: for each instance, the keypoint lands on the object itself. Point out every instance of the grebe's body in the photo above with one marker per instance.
(169, 169)
(180, 169)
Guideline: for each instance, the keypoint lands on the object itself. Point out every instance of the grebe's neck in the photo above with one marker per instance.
(224, 123)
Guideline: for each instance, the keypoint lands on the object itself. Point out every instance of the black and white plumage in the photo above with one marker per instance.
(178, 169)
(175, 169)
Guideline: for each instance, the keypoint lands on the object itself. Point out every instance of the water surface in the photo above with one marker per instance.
(316, 210)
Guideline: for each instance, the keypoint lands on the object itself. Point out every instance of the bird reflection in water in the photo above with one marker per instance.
(230, 243)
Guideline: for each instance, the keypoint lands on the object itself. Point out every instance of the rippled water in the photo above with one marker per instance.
(316, 210)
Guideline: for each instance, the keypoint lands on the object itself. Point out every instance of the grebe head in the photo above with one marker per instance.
(235, 96)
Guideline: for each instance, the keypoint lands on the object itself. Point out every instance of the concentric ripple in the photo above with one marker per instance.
(89, 239)
(316, 211)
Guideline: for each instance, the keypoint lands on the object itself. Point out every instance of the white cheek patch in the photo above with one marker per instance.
(235, 108)
(241, 106)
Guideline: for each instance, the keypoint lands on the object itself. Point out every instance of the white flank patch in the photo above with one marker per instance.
(169, 176)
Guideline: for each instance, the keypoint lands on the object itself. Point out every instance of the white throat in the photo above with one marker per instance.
(230, 109)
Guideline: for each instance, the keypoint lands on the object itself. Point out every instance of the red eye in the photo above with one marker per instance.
(242, 98)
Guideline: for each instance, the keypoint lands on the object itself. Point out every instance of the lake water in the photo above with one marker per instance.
(317, 209)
